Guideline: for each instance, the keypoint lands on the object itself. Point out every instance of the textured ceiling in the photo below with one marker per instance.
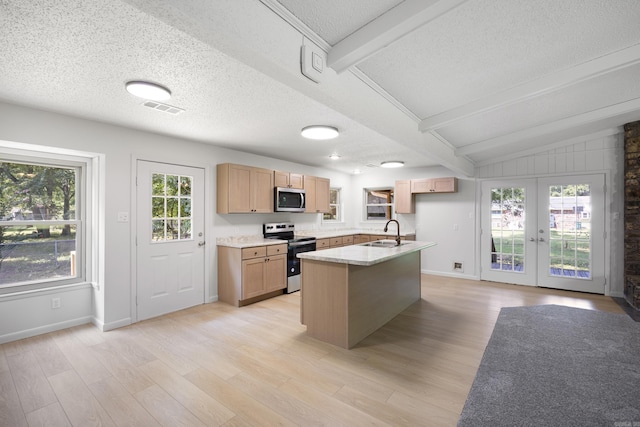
(451, 82)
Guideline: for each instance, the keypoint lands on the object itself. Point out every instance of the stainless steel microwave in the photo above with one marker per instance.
(289, 199)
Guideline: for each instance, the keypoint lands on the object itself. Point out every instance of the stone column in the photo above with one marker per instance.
(632, 213)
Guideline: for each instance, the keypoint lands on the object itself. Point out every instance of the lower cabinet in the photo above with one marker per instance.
(250, 274)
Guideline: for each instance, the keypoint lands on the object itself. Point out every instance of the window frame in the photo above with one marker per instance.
(337, 205)
(390, 206)
(85, 207)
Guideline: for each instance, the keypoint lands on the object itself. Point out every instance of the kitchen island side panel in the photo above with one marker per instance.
(324, 301)
(380, 292)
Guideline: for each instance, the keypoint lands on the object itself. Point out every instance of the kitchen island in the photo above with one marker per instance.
(349, 292)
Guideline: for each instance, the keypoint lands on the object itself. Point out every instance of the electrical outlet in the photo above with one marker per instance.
(55, 302)
(458, 266)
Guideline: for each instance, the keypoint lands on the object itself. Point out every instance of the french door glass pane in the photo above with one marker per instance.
(570, 231)
(170, 207)
(508, 229)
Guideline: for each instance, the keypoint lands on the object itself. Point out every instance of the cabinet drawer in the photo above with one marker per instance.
(254, 252)
(347, 240)
(323, 243)
(336, 241)
(276, 250)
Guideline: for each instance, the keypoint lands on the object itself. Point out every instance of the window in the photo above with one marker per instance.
(171, 207)
(378, 204)
(42, 222)
(335, 214)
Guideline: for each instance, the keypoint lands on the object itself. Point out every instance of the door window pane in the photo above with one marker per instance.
(570, 230)
(508, 229)
(170, 207)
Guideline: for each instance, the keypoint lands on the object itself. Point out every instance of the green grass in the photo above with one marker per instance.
(566, 248)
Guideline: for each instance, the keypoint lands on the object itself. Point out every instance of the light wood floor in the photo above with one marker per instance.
(219, 365)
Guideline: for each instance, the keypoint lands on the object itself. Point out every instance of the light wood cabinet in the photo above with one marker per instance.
(317, 194)
(336, 242)
(323, 244)
(288, 179)
(250, 274)
(244, 189)
(434, 185)
(404, 199)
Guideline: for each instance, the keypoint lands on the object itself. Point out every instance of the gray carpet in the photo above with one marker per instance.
(550, 365)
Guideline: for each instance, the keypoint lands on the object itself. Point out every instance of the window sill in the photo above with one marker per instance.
(18, 294)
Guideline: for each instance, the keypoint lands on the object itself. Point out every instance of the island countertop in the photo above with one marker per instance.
(362, 254)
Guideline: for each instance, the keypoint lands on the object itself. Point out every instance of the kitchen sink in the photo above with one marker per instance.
(383, 244)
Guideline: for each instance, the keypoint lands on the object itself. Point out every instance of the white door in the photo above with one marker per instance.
(170, 239)
(544, 232)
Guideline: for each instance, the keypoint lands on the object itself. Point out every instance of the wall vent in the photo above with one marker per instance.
(163, 107)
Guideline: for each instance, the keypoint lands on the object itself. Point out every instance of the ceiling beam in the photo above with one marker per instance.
(384, 30)
(547, 84)
(552, 127)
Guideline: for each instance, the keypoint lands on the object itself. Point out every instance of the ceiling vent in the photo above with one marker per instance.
(163, 107)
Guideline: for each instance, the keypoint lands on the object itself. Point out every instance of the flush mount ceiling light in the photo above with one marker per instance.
(392, 164)
(319, 132)
(334, 156)
(148, 90)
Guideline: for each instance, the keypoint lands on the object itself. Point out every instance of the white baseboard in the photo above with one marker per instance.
(104, 327)
(18, 335)
(456, 275)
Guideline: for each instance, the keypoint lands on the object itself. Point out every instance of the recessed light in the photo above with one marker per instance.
(148, 90)
(319, 132)
(334, 156)
(392, 164)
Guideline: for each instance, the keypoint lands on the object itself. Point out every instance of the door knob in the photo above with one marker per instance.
(202, 243)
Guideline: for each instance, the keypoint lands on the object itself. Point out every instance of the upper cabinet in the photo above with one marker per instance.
(288, 179)
(244, 189)
(404, 200)
(317, 194)
(434, 185)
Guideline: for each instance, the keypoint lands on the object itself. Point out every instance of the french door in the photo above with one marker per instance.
(545, 232)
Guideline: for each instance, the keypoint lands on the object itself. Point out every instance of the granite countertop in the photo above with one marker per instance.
(365, 255)
(247, 241)
(325, 234)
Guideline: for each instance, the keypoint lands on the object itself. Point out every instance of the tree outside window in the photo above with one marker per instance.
(39, 223)
(335, 207)
(378, 204)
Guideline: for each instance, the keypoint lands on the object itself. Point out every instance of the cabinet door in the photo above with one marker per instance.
(275, 273)
(262, 190)
(421, 186)
(404, 200)
(310, 193)
(322, 195)
(444, 185)
(253, 275)
(239, 186)
(296, 180)
(280, 179)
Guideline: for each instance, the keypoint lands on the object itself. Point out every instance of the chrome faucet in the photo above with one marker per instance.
(386, 227)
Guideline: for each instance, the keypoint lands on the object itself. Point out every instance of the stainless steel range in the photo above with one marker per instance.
(286, 231)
